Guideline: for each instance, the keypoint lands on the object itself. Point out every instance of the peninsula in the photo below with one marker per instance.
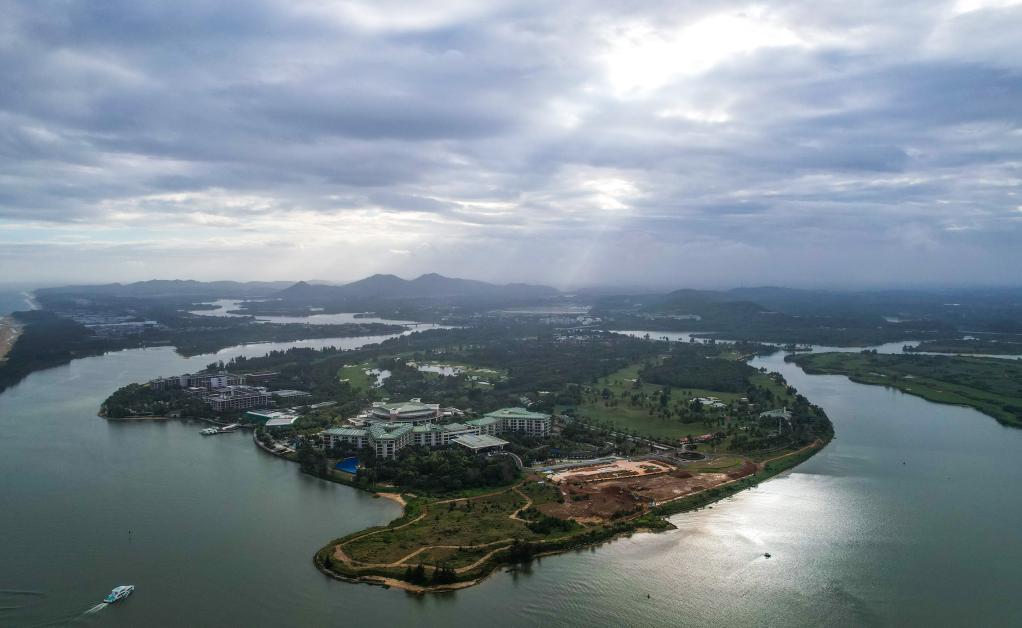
(990, 385)
(504, 442)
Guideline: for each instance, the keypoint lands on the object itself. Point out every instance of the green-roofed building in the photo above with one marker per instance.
(386, 438)
(438, 435)
(521, 420)
(488, 426)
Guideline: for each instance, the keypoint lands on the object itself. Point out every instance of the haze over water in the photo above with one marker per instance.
(221, 533)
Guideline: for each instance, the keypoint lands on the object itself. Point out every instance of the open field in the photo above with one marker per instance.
(991, 385)
(355, 375)
(470, 522)
(637, 419)
(624, 416)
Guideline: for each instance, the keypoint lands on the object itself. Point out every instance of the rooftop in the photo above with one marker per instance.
(402, 407)
(440, 427)
(388, 431)
(347, 431)
(476, 442)
(515, 413)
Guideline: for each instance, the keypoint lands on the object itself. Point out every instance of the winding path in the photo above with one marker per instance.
(341, 555)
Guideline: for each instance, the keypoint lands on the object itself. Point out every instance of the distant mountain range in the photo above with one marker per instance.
(430, 286)
(371, 289)
(174, 288)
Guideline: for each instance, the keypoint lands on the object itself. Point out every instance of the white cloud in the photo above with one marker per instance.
(681, 142)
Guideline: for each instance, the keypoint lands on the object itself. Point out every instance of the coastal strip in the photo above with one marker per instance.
(332, 560)
(10, 329)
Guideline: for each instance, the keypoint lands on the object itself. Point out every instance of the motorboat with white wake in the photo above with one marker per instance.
(119, 593)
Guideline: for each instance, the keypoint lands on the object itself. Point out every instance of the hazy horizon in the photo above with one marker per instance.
(607, 288)
(664, 144)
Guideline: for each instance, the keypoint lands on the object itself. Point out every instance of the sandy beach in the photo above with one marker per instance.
(9, 332)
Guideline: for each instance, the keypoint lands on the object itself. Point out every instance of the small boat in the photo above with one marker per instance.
(119, 593)
(209, 431)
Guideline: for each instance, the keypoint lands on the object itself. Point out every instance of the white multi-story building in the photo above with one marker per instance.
(209, 381)
(517, 420)
(238, 398)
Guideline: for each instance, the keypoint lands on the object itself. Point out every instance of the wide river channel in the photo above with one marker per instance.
(910, 516)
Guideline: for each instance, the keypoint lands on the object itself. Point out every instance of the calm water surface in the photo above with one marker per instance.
(909, 517)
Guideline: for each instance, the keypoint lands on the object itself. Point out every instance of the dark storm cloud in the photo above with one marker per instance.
(561, 135)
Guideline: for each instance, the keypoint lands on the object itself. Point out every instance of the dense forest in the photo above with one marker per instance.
(433, 471)
(690, 367)
(49, 340)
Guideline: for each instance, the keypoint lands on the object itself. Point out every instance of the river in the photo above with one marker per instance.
(909, 517)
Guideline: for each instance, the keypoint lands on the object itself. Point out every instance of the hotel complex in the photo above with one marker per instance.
(221, 390)
(392, 426)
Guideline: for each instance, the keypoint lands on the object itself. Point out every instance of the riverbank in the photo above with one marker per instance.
(521, 546)
(989, 385)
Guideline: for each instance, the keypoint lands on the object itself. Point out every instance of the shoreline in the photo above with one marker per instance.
(10, 331)
(632, 525)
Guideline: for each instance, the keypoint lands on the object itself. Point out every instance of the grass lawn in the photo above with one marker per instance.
(626, 417)
(356, 376)
(475, 521)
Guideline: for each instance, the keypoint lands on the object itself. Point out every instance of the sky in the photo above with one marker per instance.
(700, 144)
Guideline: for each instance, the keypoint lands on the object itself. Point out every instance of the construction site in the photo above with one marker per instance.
(608, 490)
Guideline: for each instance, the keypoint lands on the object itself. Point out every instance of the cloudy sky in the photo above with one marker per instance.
(572, 143)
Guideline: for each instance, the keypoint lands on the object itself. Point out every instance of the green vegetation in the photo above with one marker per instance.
(355, 375)
(141, 400)
(628, 402)
(685, 369)
(441, 542)
(991, 385)
(471, 522)
(990, 345)
(49, 340)
(438, 471)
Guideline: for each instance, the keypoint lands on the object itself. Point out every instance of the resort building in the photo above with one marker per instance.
(290, 394)
(207, 381)
(436, 435)
(272, 418)
(477, 435)
(487, 425)
(357, 436)
(521, 420)
(238, 398)
(386, 438)
(480, 443)
(413, 411)
(211, 381)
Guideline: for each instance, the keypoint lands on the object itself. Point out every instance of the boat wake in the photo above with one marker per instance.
(96, 608)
